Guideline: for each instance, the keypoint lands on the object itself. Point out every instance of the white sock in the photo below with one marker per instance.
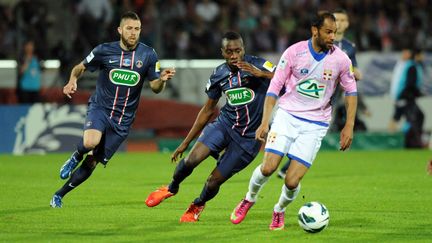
(286, 197)
(256, 182)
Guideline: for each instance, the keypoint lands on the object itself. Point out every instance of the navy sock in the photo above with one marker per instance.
(78, 177)
(182, 171)
(81, 151)
(206, 195)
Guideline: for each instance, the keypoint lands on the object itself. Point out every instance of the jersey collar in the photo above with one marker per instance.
(317, 56)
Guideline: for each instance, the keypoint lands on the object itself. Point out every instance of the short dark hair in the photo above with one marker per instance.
(130, 15)
(231, 35)
(318, 19)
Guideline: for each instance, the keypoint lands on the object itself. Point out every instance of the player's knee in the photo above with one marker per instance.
(215, 180)
(90, 143)
(212, 184)
(267, 169)
(292, 183)
(192, 160)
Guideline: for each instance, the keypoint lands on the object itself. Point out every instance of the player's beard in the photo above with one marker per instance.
(130, 44)
(322, 44)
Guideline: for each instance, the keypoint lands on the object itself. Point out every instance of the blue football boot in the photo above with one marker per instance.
(56, 201)
(68, 167)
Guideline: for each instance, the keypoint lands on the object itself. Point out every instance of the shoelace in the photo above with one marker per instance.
(57, 200)
(72, 163)
(242, 207)
(277, 218)
(192, 209)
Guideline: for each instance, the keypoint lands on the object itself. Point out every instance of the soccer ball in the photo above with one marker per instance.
(313, 217)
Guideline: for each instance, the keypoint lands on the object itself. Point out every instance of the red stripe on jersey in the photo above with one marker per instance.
(132, 62)
(124, 107)
(247, 121)
(114, 103)
(237, 119)
(121, 59)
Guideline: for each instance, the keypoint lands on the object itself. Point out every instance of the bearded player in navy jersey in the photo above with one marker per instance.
(244, 80)
(124, 66)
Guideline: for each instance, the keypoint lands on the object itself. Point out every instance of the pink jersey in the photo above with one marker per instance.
(309, 79)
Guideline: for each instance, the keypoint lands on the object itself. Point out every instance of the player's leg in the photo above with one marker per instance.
(234, 159)
(280, 137)
(183, 169)
(211, 142)
(211, 188)
(290, 190)
(259, 177)
(107, 146)
(78, 176)
(93, 127)
(302, 153)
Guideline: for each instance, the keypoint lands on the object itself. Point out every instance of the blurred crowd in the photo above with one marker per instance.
(192, 28)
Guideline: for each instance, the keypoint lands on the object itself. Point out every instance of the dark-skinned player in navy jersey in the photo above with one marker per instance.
(123, 68)
(244, 80)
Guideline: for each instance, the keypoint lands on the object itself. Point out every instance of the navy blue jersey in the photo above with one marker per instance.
(349, 48)
(245, 96)
(121, 77)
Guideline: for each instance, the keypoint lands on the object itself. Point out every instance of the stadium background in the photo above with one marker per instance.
(186, 35)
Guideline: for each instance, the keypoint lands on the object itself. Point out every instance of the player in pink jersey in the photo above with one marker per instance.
(309, 72)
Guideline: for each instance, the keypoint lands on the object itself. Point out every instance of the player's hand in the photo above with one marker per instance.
(178, 153)
(261, 133)
(346, 137)
(167, 74)
(69, 89)
(245, 66)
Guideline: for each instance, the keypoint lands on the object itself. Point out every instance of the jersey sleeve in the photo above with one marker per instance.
(353, 56)
(94, 59)
(283, 72)
(213, 89)
(263, 64)
(153, 71)
(347, 80)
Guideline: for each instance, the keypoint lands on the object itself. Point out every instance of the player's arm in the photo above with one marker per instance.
(245, 66)
(261, 132)
(357, 74)
(282, 73)
(347, 132)
(71, 87)
(201, 120)
(157, 85)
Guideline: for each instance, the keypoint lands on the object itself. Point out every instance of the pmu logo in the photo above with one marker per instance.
(240, 96)
(311, 88)
(124, 77)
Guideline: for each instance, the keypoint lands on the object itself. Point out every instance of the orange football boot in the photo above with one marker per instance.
(156, 197)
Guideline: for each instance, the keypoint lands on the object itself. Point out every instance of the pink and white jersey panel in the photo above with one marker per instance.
(309, 80)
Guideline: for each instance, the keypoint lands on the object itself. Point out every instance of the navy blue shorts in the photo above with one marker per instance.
(113, 135)
(216, 137)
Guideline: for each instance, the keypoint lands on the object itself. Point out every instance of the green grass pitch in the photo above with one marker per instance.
(383, 196)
